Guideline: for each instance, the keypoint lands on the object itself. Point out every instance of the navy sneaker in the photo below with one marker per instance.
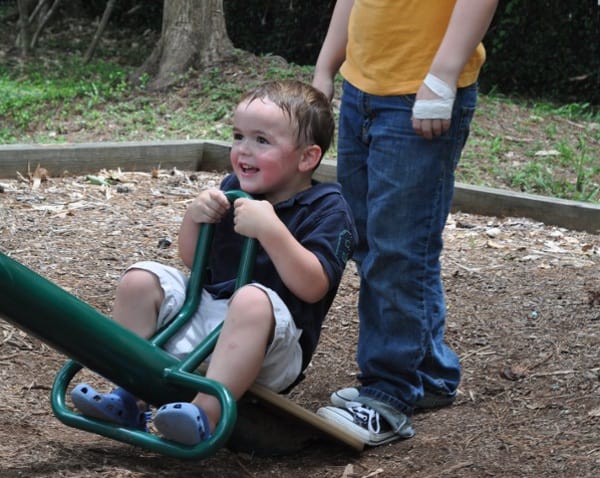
(366, 424)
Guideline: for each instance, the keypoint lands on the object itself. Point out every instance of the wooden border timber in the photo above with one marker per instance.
(192, 155)
(486, 201)
(89, 158)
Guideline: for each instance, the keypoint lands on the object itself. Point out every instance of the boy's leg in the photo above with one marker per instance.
(146, 291)
(138, 299)
(240, 350)
(410, 184)
(236, 362)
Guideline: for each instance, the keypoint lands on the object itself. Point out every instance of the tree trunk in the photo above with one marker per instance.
(193, 35)
(44, 21)
(23, 37)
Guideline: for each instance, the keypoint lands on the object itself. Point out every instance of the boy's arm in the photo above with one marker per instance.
(333, 50)
(469, 21)
(299, 268)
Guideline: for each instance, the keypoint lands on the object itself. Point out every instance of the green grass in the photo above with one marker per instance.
(39, 93)
(516, 144)
(534, 147)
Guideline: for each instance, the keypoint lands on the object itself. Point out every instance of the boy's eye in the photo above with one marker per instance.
(262, 140)
(238, 136)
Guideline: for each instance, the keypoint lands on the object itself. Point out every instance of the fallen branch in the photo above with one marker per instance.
(474, 352)
(549, 374)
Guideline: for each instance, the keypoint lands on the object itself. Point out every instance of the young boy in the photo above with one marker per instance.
(305, 233)
(410, 74)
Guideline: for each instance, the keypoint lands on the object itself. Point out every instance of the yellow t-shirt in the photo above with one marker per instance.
(391, 44)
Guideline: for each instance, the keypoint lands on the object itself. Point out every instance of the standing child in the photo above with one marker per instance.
(410, 70)
(305, 232)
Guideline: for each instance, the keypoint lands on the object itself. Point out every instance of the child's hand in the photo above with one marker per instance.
(253, 218)
(209, 206)
(432, 110)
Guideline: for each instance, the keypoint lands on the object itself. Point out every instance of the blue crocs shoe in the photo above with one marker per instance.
(183, 423)
(118, 407)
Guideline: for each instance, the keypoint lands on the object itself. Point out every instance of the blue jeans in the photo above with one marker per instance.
(400, 186)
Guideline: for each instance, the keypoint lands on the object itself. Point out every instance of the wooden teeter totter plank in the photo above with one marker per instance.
(305, 416)
(271, 424)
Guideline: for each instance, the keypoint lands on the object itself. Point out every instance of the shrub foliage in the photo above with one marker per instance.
(545, 48)
(541, 49)
(536, 48)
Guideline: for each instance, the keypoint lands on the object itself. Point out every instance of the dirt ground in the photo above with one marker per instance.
(523, 314)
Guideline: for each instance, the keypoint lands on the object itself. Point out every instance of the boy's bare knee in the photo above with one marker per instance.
(250, 304)
(138, 282)
(137, 302)
(250, 296)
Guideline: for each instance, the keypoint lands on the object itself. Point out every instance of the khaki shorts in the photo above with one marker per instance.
(283, 358)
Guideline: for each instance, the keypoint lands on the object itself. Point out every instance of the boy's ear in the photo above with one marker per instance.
(311, 155)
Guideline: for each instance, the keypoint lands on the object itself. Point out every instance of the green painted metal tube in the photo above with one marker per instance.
(197, 276)
(79, 331)
(143, 439)
(92, 340)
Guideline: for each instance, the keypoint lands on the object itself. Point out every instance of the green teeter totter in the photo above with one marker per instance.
(94, 341)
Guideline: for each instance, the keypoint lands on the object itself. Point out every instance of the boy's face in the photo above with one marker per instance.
(265, 156)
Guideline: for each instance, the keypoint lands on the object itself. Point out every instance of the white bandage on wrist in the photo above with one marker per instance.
(435, 109)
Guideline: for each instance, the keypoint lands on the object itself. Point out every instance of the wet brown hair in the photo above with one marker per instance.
(307, 108)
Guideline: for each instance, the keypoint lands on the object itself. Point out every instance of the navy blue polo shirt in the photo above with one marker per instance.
(320, 219)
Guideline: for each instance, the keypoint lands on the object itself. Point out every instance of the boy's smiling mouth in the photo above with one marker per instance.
(247, 168)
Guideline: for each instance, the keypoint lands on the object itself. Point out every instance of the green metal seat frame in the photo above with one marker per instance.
(94, 341)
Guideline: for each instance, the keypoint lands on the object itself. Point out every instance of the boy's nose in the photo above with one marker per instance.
(243, 146)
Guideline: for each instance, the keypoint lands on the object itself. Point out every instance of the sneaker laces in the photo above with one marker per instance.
(365, 416)
(147, 415)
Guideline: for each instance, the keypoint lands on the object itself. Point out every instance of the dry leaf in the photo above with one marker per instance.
(348, 471)
(42, 173)
(495, 245)
(514, 373)
(493, 232)
(39, 175)
(549, 152)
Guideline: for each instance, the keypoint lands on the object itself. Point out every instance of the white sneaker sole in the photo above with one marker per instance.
(344, 420)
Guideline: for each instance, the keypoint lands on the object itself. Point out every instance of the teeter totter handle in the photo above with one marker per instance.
(92, 340)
